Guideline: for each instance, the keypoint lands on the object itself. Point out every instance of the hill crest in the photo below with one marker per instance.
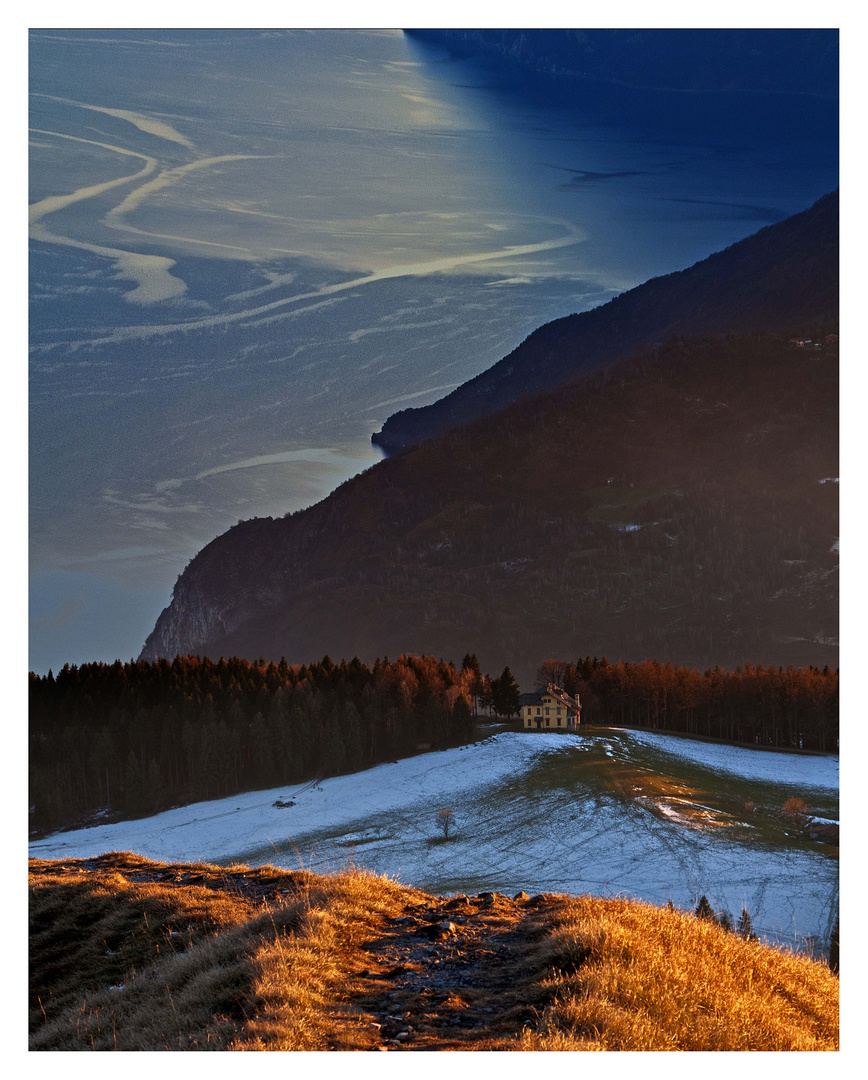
(128, 954)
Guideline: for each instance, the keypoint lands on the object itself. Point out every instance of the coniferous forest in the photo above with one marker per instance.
(135, 738)
(144, 736)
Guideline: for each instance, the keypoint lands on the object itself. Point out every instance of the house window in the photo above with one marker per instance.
(538, 711)
(547, 711)
(548, 722)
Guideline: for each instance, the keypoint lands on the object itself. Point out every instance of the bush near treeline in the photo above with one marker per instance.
(791, 708)
(143, 736)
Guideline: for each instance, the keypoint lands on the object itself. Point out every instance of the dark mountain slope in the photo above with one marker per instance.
(673, 507)
(784, 276)
(779, 60)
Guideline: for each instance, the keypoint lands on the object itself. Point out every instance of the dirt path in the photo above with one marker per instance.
(438, 973)
(452, 974)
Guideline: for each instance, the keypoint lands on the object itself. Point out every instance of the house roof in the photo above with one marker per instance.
(552, 691)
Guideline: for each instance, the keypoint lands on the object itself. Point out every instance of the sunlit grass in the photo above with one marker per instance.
(134, 955)
(629, 976)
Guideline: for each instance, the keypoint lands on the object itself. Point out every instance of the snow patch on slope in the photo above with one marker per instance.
(530, 815)
(806, 770)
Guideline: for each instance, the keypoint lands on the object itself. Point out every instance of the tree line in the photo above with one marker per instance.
(792, 708)
(139, 737)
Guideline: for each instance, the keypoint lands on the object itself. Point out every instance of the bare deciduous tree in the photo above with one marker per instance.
(445, 820)
(552, 671)
(796, 809)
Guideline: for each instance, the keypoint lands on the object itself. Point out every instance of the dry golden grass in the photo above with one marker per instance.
(302, 985)
(628, 976)
(134, 955)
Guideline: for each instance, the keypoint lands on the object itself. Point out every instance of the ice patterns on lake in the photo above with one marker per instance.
(252, 247)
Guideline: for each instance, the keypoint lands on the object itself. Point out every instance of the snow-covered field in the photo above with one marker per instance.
(606, 812)
(807, 770)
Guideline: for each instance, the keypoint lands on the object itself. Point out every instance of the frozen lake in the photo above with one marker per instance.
(249, 248)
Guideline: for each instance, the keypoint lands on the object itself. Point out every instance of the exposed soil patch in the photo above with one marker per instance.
(453, 974)
(439, 974)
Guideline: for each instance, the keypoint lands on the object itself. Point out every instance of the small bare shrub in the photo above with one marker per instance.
(445, 820)
(796, 810)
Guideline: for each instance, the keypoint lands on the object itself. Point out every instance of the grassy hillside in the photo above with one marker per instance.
(681, 506)
(134, 955)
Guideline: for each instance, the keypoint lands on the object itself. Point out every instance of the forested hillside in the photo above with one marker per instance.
(137, 738)
(783, 277)
(782, 61)
(795, 708)
(122, 740)
(683, 505)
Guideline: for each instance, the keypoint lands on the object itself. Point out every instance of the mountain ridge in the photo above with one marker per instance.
(676, 504)
(673, 506)
(794, 61)
(782, 276)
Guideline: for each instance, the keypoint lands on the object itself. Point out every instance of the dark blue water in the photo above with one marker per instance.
(317, 229)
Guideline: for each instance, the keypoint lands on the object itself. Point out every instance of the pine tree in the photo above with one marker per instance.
(352, 737)
(703, 908)
(505, 694)
(745, 926)
(333, 750)
(154, 784)
(475, 679)
(486, 697)
(462, 720)
(133, 791)
(471, 664)
(833, 949)
(261, 751)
